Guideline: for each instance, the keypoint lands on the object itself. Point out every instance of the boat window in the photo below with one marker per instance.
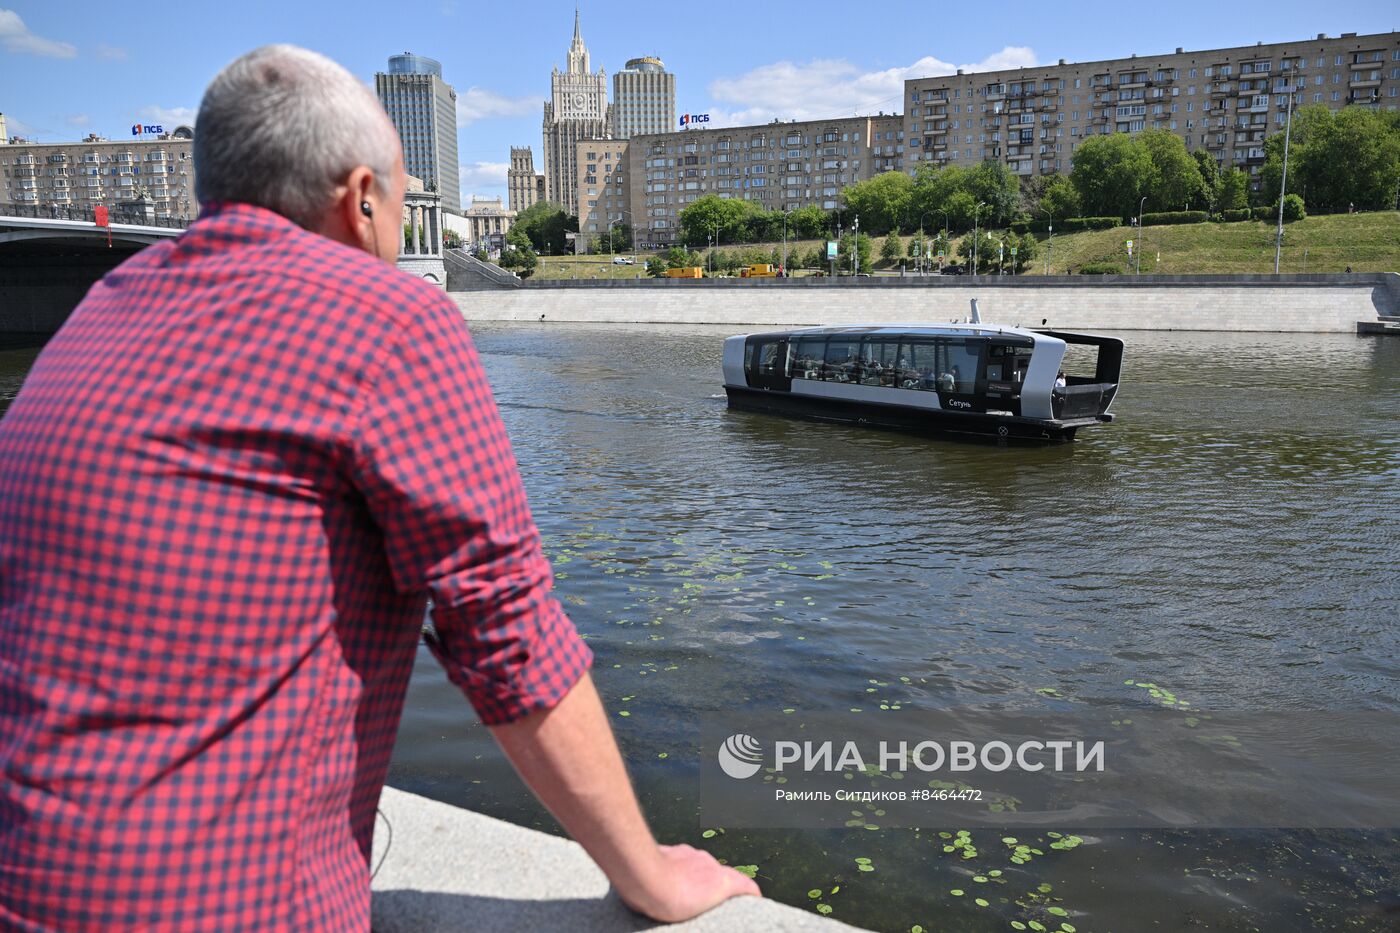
(918, 368)
(807, 355)
(770, 361)
(878, 359)
(959, 359)
(842, 356)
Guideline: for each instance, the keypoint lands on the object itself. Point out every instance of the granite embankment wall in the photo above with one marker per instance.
(1283, 303)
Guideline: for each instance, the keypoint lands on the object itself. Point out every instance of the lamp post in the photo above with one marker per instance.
(923, 247)
(1050, 244)
(1283, 182)
(947, 242)
(611, 249)
(855, 246)
(975, 211)
(785, 256)
(1137, 260)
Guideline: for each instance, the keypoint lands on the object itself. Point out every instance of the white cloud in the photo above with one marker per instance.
(486, 175)
(111, 53)
(477, 103)
(16, 37)
(79, 119)
(169, 117)
(833, 87)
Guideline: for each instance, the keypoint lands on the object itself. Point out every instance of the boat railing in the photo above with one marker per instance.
(1084, 400)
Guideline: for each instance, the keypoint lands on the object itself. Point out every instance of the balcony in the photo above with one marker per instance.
(1365, 80)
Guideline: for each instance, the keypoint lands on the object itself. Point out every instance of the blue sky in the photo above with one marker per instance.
(70, 67)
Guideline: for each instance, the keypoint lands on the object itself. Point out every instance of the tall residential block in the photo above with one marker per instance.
(603, 196)
(577, 110)
(424, 110)
(1225, 101)
(644, 99)
(523, 185)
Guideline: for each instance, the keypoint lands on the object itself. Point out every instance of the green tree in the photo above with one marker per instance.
(993, 183)
(916, 246)
(1176, 178)
(520, 259)
(891, 249)
(807, 223)
(546, 226)
(862, 247)
(1337, 160)
(732, 220)
(1027, 248)
(656, 267)
(1210, 178)
(1111, 173)
(1234, 191)
(881, 202)
(1059, 199)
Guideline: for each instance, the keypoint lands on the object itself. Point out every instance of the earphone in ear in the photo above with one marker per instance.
(365, 209)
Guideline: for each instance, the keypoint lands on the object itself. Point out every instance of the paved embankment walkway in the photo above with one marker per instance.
(1287, 303)
(452, 869)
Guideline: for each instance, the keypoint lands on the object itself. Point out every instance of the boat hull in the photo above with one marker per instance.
(908, 419)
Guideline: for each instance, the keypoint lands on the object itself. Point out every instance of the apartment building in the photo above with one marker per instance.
(102, 171)
(1225, 101)
(782, 166)
(601, 180)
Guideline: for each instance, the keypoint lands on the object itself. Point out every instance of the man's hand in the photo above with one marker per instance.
(568, 757)
(689, 882)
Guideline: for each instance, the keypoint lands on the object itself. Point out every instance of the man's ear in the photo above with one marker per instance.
(358, 222)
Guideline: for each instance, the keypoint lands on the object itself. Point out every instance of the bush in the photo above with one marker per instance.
(1265, 213)
(1293, 208)
(1100, 268)
(1235, 215)
(1071, 224)
(1174, 217)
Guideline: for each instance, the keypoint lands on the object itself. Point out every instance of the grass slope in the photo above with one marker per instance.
(1368, 242)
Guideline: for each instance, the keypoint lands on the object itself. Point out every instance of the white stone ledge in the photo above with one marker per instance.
(452, 869)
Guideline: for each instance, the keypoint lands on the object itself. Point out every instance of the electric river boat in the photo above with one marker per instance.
(960, 378)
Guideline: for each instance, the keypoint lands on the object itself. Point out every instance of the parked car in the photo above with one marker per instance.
(623, 260)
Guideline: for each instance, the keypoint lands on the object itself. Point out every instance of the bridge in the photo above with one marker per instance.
(51, 256)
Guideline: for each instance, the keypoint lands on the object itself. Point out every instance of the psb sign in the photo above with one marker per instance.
(141, 129)
(691, 119)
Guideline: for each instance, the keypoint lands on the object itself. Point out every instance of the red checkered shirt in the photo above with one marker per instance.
(228, 488)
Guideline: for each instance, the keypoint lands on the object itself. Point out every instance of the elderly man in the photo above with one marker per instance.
(227, 490)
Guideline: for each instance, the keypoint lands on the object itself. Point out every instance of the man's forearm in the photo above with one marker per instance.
(569, 758)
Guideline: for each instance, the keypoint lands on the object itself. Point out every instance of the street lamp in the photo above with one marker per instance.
(855, 246)
(975, 211)
(611, 249)
(1138, 258)
(785, 256)
(947, 242)
(1283, 182)
(1050, 247)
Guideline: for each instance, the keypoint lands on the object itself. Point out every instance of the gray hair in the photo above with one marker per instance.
(281, 126)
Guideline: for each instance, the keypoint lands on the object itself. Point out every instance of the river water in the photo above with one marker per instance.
(1231, 538)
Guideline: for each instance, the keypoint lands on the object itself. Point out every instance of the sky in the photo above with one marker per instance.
(73, 67)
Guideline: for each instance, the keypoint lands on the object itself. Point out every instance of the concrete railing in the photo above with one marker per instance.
(465, 271)
(441, 868)
(1322, 303)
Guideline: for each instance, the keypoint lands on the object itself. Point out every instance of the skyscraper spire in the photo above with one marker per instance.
(578, 55)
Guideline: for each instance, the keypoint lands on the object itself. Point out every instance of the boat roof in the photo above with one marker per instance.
(928, 328)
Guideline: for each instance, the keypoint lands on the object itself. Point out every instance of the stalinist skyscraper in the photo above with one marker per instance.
(577, 109)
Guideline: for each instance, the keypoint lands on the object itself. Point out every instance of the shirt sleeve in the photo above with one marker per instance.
(436, 468)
